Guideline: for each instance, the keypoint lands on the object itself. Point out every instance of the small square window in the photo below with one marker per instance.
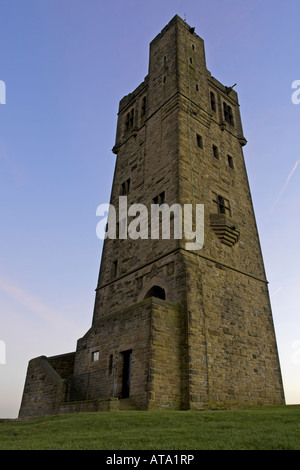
(223, 205)
(215, 151)
(95, 356)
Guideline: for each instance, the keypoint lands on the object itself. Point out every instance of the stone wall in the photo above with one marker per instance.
(232, 346)
(153, 331)
(123, 330)
(44, 388)
(167, 357)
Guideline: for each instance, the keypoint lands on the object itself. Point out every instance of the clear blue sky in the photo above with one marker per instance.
(66, 64)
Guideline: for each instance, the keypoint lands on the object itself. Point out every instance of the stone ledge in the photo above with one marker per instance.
(225, 229)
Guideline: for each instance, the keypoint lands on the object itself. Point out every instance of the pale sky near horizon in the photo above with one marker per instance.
(66, 64)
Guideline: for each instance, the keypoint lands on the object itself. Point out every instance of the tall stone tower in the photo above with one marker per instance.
(175, 327)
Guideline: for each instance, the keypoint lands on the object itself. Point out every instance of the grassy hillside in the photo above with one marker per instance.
(271, 427)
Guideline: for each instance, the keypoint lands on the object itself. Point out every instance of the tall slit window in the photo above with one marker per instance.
(230, 161)
(213, 102)
(124, 190)
(129, 120)
(115, 268)
(215, 151)
(199, 141)
(144, 107)
(160, 199)
(110, 364)
(228, 114)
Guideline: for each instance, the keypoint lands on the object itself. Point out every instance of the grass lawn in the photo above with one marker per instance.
(258, 428)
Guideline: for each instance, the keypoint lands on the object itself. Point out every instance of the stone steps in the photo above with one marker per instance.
(127, 404)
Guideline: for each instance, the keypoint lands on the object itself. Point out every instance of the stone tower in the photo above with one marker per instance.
(175, 327)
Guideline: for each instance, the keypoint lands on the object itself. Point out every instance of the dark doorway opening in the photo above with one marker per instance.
(156, 291)
(126, 373)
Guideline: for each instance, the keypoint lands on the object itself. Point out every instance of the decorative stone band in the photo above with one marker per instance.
(225, 229)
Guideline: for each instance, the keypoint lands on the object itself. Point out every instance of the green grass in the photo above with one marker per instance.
(264, 428)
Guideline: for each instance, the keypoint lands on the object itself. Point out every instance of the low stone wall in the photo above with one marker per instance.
(110, 404)
(44, 388)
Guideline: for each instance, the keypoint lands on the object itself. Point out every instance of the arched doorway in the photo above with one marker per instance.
(156, 291)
